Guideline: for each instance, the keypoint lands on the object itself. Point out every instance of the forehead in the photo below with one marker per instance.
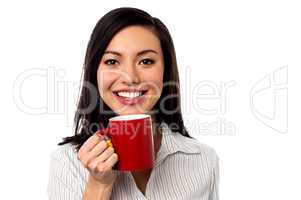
(133, 39)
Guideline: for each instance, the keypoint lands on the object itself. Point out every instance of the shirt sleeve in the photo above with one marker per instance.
(62, 183)
(214, 187)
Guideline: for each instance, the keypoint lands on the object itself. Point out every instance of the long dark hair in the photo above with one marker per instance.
(87, 121)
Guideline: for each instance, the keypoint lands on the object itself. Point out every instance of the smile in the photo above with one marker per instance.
(130, 97)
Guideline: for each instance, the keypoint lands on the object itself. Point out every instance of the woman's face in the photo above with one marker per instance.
(130, 73)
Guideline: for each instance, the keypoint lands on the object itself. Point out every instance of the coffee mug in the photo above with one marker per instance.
(132, 139)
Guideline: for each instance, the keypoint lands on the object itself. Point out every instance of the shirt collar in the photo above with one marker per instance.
(173, 142)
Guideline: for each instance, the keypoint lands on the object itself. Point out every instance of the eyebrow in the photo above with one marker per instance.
(138, 54)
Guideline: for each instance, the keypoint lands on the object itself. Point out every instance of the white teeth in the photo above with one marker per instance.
(129, 94)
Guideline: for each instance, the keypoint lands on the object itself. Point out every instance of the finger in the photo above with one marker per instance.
(100, 159)
(111, 161)
(105, 155)
(96, 151)
(108, 164)
(90, 144)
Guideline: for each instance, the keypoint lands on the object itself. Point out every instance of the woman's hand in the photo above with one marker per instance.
(99, 158)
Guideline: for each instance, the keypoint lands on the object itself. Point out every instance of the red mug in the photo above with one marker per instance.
(132, 139)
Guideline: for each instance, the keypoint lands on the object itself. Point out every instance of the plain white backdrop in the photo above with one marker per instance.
(236, 60)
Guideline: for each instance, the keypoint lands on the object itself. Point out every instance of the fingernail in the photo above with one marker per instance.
(109, 143)
(108, 140)
(99, 133)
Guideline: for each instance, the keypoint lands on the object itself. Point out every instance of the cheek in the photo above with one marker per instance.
(155, 81)
(105, 80)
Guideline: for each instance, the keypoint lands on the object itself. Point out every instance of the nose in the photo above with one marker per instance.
(130, 75)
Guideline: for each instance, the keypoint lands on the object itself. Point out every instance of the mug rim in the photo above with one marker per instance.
(129, 117)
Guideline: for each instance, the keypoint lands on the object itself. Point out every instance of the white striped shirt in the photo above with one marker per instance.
(184, 169)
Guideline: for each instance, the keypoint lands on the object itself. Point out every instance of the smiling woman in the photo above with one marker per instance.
(130, 68)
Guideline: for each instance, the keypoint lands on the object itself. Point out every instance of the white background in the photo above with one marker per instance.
(224, 50)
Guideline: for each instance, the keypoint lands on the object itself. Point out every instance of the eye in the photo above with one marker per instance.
(110, 62)
(147, 61)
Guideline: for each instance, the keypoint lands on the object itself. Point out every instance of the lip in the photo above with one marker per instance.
(130, 90)
(130, 101)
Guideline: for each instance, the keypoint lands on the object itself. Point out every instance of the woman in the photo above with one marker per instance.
(131, 54)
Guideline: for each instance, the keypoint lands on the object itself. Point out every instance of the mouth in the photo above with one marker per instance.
(130, 94)
(127, 97)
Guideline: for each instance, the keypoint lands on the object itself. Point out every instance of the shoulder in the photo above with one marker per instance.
(64, 160)
(194, 146)
(64, 153)
(193, 160)
(176, 142)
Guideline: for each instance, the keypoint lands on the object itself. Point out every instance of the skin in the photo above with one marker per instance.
(133, 59)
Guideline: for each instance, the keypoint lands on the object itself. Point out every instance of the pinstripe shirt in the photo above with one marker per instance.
(185, 169)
